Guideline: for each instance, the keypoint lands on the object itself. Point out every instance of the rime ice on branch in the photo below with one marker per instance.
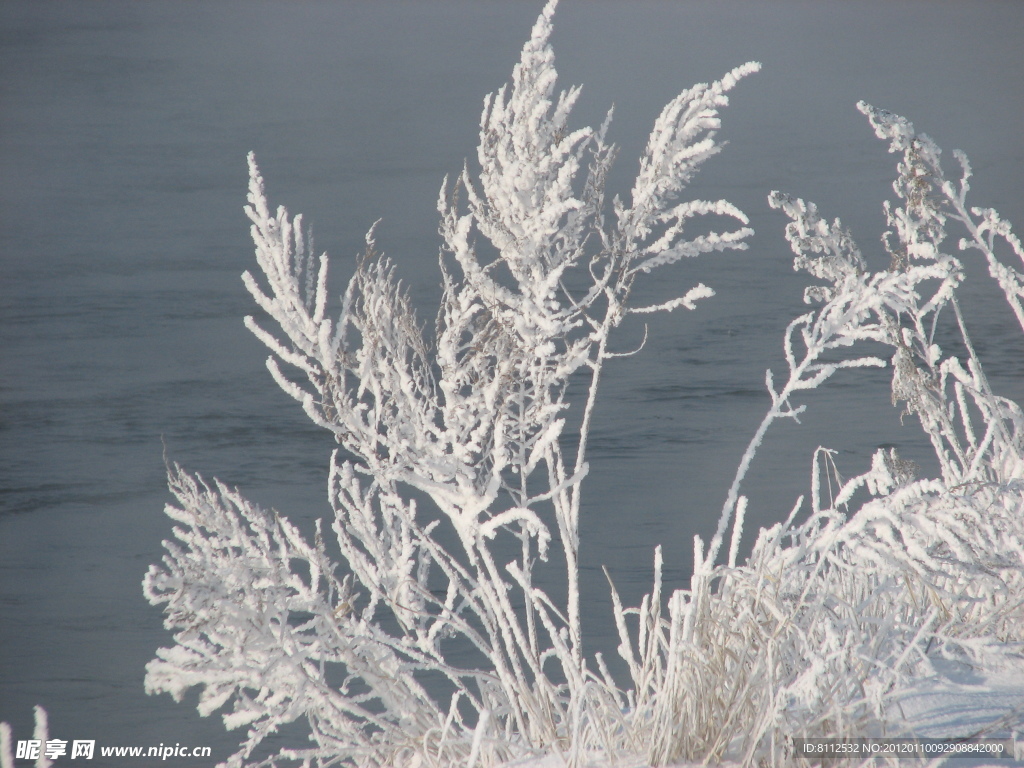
(472, 420)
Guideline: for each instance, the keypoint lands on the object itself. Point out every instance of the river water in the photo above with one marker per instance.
(123, 133)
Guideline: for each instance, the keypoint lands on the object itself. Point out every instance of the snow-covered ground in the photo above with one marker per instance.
(954, 704)
(960, 703)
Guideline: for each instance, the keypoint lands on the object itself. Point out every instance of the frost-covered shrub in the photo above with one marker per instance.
(831, 619)
(269, 626)
(455, 479)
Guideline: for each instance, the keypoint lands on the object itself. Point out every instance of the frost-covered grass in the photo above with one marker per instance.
(430, 641)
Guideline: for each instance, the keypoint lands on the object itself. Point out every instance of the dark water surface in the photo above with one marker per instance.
(123, 133)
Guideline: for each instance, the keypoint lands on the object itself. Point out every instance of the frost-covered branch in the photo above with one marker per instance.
(925, 186)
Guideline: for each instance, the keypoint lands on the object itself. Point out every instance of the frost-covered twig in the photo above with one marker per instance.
(942, 392)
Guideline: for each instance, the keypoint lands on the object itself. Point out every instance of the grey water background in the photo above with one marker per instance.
(123, 133)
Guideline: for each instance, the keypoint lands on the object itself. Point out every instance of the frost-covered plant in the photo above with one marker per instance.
(455, 477)
(823, 628)
(434, 642)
